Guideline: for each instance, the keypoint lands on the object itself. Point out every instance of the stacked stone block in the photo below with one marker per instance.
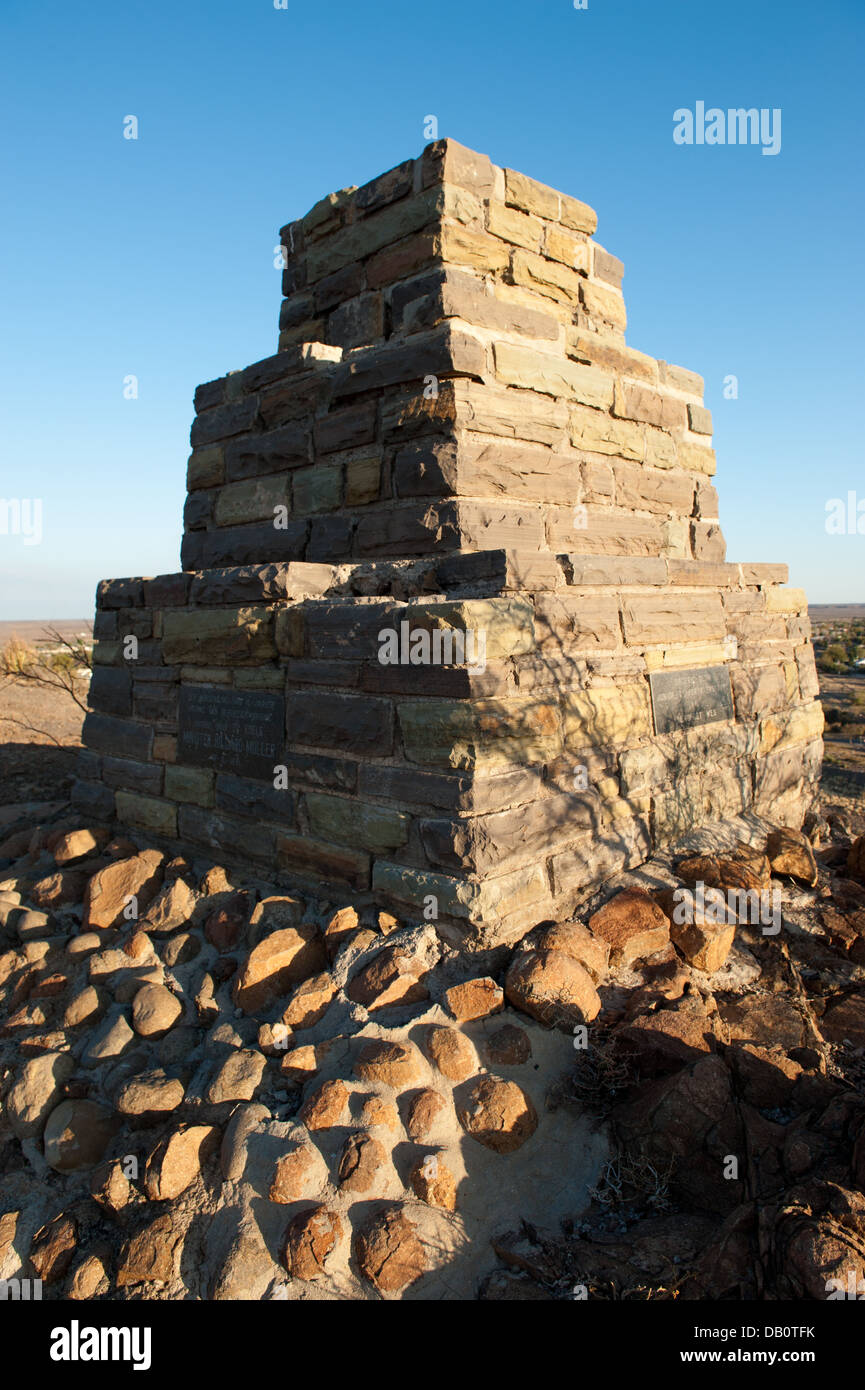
(453, 436)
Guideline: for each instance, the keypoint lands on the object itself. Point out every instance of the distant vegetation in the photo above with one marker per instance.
(839, 645)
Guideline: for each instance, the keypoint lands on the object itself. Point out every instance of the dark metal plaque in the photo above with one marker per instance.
(239, 731)
(683, 699)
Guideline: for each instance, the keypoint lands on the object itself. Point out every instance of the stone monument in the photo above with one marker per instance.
(454, 625)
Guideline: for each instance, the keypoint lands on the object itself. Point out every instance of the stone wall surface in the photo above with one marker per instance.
(453, 439)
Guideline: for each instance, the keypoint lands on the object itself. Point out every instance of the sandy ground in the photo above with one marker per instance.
(40, 730)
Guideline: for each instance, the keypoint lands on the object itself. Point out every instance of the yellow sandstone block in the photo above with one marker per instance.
(553, 376)
(780, 600)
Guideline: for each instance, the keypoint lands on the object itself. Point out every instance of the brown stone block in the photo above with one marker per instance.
(611, 716)
(298, 854)
(699, 419)
(654, 489)
(635, 402)
(447, 161)
(546, 277)
(604, 531)
(353, 723)
(520, 729)
(403, 258)
(219, 636)
(462, 246)
(585, 570)
(224, 421)
(516, 227)
(447, 351)
(516, 469)
(273, 452)
(612, 354)
(237, 545)
(681, 379)
(371, 233)
(500, 570)
(206, 467)
(764, 574)
(603, 304)
(758, 690)
(606, 267)
(572, 621)
(499, 525)
(702, 573)
(551, 375)
(695, 458)
(466, 296)
(479, 844)
(579, 216)
(672, 618)
(386, 188)
(707, 541)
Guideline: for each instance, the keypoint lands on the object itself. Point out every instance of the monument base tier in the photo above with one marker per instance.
(478, 739)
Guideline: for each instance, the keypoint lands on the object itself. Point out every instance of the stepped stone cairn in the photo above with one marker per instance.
(454, 624)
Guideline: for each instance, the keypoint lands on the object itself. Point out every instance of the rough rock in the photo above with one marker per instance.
(36, 1092)
(705, 945)
(109, 1186)
(171, 908)
(476, 998)
(340, 929)
(152, 1255)
(325, 1106)
(78, 844)
(90, 1278)
(77, 1134)
(498, 1114)
(396, 1064)
(389, 1252)
(176, 1161)
(59, 889)
(151, 1093)
(790, 854)
(434, 1182)
(845, 1021)
(592, 952)
(856, 860)
(451, 1052)
(310, 1001)
(300, 1173)
(284, 958)
(633, 926)
(300, 1063)
(362, 1159)
(310, 1240)
(376, 1111)
(553, 988)
(239, 1076)
(155, 1010)
(52, 1249)
(394, 976)
(225, 926)
(110, 891)
(424, 1109)
(508, 1046)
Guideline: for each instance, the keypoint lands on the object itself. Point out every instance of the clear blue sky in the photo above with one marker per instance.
(155, 257)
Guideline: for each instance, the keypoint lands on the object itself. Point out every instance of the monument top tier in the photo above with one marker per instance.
(452, 376)
(450, 205)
